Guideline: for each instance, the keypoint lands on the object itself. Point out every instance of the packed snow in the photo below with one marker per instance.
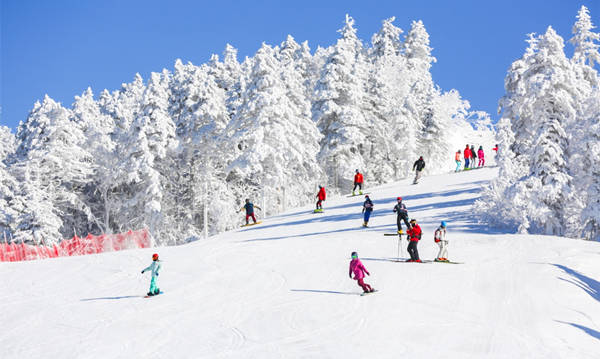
(281, 289)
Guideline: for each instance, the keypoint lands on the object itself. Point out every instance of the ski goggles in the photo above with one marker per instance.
(354, 256)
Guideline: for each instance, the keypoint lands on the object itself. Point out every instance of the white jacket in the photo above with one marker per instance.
(154, 267)
(440, 234)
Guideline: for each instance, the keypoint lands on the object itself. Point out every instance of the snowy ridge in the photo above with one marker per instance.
(281, 289)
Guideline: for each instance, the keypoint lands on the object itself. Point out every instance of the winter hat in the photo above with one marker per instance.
(444, 224)
(413, 221)
(247, 200)
(458, 151)
(155, 257)
(354, 255)
(357, 170)
(399, 198)
(421, 157)
(366, 196)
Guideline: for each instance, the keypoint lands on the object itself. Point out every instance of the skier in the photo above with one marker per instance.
(249, 207)
(473, 156)
(154, 267)
(358, 182)
(418, 165)
(402, 215)
(458, 161)
(414, 235)
(321, 196)
(495, 149)
(481, 155)
(467, 156)
(440, 238)
(367, 210)
(359, 271)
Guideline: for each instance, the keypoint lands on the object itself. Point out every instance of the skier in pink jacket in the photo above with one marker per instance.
(359, 271)
(481, 158)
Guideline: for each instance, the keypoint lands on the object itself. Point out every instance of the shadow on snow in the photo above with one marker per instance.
(112, 298)
(589, 285)
(589, 331)
(323, 291)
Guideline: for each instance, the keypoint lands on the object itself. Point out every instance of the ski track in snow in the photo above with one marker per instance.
(281, 290)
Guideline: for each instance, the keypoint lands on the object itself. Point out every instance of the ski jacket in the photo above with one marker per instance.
(480, 153)
(495, 149)
(473, 153)
(400, 208)
(419, 165)
(368, 205)
(457, 156)
(358, 178)
(249, 207)
(322, 194)
(440, 234)
(154, 267)
(414, 234)
(358, 269)
(467, 152)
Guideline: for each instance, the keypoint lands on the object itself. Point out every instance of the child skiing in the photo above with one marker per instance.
(458, 161)
(418, 165)
(358, 182)
(414, 235)
(359, 271)
(402, 215)
(154, 267)
(321, 196)
(367, 210)
(249, 207)
(440, 239)
(480, 154)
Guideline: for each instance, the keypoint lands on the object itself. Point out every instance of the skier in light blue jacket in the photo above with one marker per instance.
(154, 267)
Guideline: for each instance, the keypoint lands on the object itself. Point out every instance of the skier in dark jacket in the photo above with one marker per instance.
(249, 207)
(414, 235)
(367, 210)
(402, 214)
(418, 165)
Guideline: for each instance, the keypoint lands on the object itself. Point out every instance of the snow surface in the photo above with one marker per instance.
(281, 289)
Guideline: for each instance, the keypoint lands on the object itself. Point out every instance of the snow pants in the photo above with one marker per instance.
(466, 163)
(365, 287)
(399, 220)
(367, 216)
(357, 184)
(153, 287)
(458, 163)
(417, 176)
(443, 249)
(412, 250)
(481, 162)
(250, 215)
(319, 204)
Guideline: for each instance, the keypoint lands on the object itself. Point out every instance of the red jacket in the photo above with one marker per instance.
(414, 234)
(467, 152)
(358, 178)
(322, 194)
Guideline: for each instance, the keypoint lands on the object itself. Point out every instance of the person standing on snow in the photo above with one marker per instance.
(249, 207)
(458, 161)
(321, 197)
(473, 156)
(481, 155)
(467, 156)
(154, 267)
(402, 215)
(418, 165)
(367, 210)
(414, 235)
(440, 238)
(359, 271)
(358, 182)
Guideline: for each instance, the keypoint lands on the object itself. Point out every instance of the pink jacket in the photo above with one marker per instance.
(358, 269)
(480, 153)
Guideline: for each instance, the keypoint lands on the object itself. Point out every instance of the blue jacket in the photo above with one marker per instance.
(154, 267)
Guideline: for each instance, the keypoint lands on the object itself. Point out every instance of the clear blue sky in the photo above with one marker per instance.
(61, 47)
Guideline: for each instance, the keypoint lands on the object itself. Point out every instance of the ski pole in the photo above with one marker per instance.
(399, 240)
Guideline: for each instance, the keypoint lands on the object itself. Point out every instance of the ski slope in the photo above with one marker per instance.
(281, 290)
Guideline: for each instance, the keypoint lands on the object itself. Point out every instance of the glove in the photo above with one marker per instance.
(142, 272)
(157, 274)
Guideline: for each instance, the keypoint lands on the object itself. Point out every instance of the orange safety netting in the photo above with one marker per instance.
(76, 246)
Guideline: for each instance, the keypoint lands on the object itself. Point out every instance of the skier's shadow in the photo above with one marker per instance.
(323, 291)
(111, 298)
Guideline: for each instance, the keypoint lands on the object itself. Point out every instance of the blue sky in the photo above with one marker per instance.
(61, 47)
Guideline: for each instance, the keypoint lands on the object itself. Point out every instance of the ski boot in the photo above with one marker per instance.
(353, 193)
(400, 232)
(150, 294)
(157, 291)
(360, 192)
(365, 224)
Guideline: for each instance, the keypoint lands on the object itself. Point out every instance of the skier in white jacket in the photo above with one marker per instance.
(441, 239)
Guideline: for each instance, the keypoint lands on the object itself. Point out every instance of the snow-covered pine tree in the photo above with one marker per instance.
(9, 203)
(228, 75)
(590, 183)
(584, 39)
(337, 110)
(275, 144)
(53, 168)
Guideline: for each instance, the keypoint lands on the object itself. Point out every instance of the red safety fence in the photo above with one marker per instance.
(14, 252)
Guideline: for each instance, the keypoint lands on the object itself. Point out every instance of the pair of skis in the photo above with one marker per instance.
(425, 261)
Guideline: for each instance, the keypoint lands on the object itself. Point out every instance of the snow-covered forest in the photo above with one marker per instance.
(549, 139)
(159, 153)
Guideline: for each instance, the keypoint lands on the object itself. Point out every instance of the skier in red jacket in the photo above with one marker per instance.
(358, 182)
(321, 196)
(414, 235)
(467, 155)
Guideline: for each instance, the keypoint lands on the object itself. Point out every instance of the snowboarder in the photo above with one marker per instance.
(467, 156)
(154, 267)
(249, 207)
(481, 155)
(402, 215)
(359, 271)
(367, 210)
(414, 235)
(418, 165)
(321, 196)
(440, 238)
(358, 182)
(458, 161)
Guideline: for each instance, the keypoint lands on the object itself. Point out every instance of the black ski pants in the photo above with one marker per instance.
(402, 217)
(412, 250)
(357, 184)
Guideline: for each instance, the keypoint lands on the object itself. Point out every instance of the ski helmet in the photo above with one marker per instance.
(357, 170)
(155, 257)
(413, 220)
(247, 200)
(399, 198)
(354, 255)
(444, 224)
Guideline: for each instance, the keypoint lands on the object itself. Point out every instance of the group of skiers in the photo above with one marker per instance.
(470, 156)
